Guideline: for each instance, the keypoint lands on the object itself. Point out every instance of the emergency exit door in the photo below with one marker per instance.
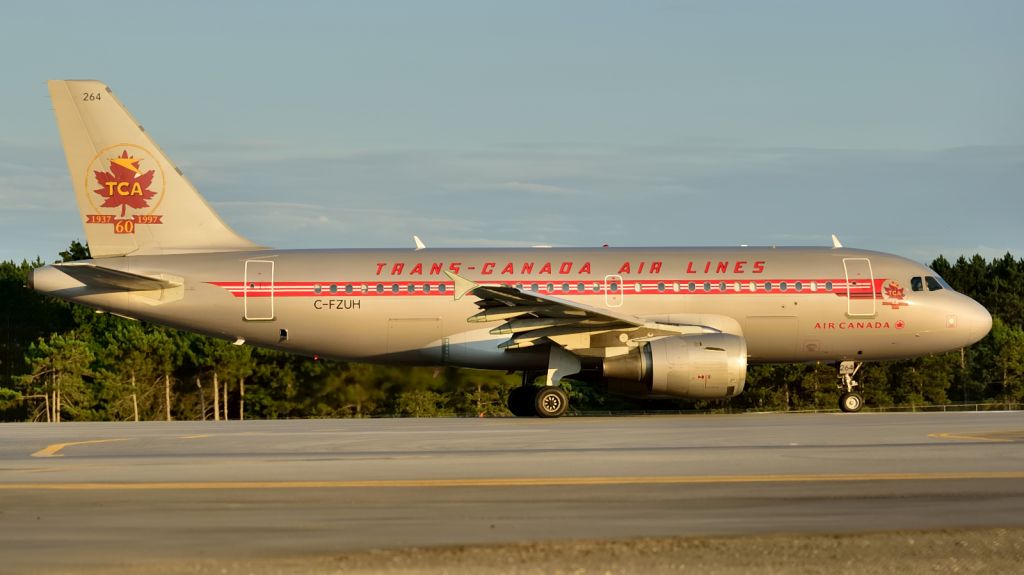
(860, 287)
(259, 290)
(613, 291)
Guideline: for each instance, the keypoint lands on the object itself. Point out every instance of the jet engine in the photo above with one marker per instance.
(703, 366)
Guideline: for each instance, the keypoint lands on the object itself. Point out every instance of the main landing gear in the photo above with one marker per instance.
(528, 400)
(851, 401)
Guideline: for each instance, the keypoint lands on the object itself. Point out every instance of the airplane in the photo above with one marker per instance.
(648, 322)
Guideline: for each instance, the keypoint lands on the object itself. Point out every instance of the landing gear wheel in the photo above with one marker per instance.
(551, 401)
(520, 401)
(851, 402)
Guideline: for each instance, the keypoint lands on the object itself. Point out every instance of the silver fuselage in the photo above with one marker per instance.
(397, 306)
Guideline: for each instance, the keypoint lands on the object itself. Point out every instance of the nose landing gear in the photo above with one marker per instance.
(851, 401)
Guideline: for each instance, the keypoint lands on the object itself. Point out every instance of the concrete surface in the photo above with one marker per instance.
(98, 496)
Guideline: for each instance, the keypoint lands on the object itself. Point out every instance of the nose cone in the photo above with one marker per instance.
(978, 320)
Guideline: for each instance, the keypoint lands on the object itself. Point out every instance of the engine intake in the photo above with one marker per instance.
(704, 366)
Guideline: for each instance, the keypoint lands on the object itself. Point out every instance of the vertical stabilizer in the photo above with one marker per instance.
(133, 200)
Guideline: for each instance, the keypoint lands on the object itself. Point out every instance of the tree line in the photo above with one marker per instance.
(63, 362)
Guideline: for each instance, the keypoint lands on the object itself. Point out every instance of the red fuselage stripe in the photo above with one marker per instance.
(857, 289)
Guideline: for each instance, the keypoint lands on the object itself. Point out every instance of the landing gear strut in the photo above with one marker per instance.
(851, 401)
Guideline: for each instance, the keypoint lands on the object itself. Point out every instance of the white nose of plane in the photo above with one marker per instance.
(976, 319)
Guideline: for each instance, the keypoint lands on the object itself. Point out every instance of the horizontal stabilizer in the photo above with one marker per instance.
(100, 277)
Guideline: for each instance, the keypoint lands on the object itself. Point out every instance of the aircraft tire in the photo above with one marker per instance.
(520, 401)
(851, 402)
(551, 401)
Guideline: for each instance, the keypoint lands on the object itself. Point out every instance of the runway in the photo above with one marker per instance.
(80, 496)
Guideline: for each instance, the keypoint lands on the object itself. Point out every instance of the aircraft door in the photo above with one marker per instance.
(860, 287)
(613, 291)
(259, 290)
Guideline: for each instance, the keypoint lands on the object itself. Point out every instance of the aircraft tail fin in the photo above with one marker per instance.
(133, 200)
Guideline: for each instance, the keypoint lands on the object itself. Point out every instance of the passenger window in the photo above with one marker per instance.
(767, 286)
(691, 286)
(580, 287)
(933, 284)
(380, 288)
(783, 286)
(426, 288)
(348, 288)
(661, 286)
(828, 286)
(721, 286)
(799, 286)
(565, 287)
(707, 286)
(916, 284)
(316, 288)
(334, 288)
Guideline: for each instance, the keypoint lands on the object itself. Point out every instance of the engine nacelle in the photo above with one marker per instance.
(703, 366)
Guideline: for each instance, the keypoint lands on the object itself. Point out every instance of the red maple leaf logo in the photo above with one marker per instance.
(125, 185)
(894, 290)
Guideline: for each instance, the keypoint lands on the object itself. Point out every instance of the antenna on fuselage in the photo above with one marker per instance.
(835, 242)
(419, 243)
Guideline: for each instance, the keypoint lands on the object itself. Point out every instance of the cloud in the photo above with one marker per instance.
(516, 187)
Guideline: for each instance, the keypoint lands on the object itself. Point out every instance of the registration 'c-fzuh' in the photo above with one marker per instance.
(678, 322)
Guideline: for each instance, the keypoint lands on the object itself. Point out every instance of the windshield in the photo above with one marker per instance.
(941, 281)
(929, 283)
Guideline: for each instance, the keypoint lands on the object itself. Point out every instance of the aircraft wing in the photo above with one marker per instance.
(533, 318)
(93, 275)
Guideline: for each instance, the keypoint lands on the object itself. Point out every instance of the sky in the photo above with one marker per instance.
(898, 126)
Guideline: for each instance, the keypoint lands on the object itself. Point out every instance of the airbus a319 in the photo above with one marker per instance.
(675, 321)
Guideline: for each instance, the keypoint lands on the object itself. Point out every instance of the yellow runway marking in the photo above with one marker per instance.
(54, 450)
(512, 481)
(967, 437)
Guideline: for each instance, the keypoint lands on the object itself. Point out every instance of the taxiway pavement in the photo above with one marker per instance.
(94, 495)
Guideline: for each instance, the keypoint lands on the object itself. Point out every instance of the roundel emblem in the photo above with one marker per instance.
(125, 185)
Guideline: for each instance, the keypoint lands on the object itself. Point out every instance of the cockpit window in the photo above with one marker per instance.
(942, 282)
(933, 284)
(916, 284)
